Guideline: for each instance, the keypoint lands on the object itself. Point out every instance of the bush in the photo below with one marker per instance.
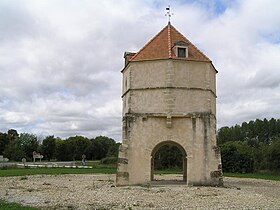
(273, 156)
(237, 157)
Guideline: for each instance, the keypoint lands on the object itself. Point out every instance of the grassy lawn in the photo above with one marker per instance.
(34, 171)
(168, 171)
(97, 168)
(255, 176)
(13, 206)
(111, 169)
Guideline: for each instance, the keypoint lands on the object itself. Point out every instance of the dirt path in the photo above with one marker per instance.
(98, 192)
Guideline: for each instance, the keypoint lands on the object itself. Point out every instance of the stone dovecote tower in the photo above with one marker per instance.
(169, 97)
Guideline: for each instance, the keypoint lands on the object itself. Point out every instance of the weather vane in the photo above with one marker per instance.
(168, 13)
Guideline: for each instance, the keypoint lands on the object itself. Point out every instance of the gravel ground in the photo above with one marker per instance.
(99, 192)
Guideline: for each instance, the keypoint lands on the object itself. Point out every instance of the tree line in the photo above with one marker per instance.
(251, 147)
(17, 146)
(247, 148)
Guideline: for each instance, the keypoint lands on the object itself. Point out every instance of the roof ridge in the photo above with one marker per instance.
(148, 43)
(191, 43)
(169, 41)
(161, 47)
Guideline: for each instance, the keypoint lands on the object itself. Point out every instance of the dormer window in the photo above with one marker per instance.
(181, 52)
(180, 49)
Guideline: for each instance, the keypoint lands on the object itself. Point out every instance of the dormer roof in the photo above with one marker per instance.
(161, 47)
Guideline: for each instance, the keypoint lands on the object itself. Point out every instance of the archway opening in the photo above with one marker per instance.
(168, 163)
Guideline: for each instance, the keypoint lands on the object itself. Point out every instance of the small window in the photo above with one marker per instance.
(181, 52)
(180, 49)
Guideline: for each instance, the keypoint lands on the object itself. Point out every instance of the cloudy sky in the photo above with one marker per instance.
(60, 60)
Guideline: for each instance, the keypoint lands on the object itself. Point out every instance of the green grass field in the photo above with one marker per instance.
(34, 171)
(111, 169)
(97, 168)
(255, 176)
(168, 171)
(13, 206)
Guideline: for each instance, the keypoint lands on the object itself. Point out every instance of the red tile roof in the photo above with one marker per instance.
(160, 47)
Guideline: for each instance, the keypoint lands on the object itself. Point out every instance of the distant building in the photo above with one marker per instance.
(169, 97)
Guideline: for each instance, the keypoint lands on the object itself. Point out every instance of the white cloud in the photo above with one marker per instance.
(60, 61)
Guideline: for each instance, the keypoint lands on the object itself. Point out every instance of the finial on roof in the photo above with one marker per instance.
(168, 13)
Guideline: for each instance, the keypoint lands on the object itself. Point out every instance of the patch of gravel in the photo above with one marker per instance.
(99, 192)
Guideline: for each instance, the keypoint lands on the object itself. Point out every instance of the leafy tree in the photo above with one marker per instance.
(28, 143)
(13, 147)
(273, 132)
(237, 157)
(89, 150)
(5, 138)
(252, 130)
(48, 147)
(262, 131)
(278, 127)
(61, 152)
(274, 156)
(3, 142)
(237, 134)
(260, 157)
(13, 151)
(224, 135)
(168, 157)
(101, 146)
(77, 145)
(12, 134)
(229, 157)
(72, 148)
